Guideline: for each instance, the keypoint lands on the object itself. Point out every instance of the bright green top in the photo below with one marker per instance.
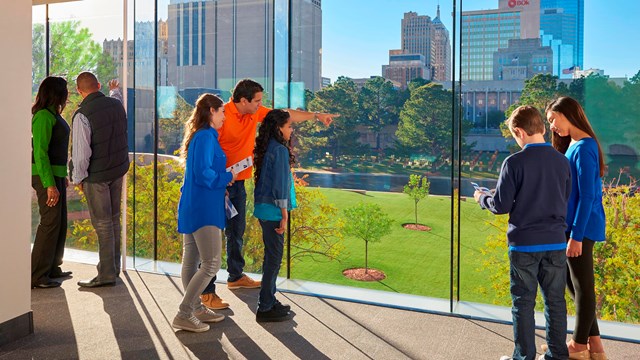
(41, 129)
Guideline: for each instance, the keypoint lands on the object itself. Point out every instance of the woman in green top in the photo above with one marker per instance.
(50, 142)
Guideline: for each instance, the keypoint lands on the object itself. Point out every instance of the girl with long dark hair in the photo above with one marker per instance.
(201, 214)
(274, 196)
(573, 136)
(50, 143)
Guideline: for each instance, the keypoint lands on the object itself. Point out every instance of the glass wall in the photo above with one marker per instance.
(573, 54)
(384, 78)
(422, 91)
(69, 38)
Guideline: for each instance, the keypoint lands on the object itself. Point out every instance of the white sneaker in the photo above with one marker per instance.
(207, 315)
(189, 324)
(506, 357)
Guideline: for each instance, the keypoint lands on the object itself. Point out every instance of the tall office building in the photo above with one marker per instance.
(425, 51)
(562, 27)
(440, 50)
(215, 43)
(486, 31)
(306, 44)
(416, 35)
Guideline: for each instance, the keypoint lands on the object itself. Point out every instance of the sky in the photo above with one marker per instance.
(358, 34)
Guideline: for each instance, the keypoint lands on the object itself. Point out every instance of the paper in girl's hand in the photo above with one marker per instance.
(481, 188)
(229, 209)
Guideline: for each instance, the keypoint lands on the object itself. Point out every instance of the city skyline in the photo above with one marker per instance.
(603, 45)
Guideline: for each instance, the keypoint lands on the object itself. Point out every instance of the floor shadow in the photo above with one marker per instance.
(286, 333)
(221, 342)
(53, 329)
(134, 340)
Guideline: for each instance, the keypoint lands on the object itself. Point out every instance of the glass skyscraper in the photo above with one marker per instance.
(563, 20)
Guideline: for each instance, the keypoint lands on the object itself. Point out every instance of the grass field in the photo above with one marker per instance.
(415, 262)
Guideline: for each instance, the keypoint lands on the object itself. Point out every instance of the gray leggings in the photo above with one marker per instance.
(201, 247)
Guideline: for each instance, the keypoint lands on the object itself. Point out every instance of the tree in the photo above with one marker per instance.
(379, 105)
(417, 188)
(367, 221)
(316, 228)
(72, 51)
(339, 98)
(425, 121)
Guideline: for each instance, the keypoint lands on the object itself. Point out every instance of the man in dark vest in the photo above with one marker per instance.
(100, 158)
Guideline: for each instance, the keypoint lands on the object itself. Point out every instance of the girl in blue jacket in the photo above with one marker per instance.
(274, 195)
(201, 214)
(573, 136)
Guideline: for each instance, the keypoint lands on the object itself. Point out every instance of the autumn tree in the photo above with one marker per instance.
(369, 223)
(316, 228)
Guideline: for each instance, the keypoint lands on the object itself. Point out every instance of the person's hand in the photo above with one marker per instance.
(66, 182)
(53, 195)
(283, 224)
(326, 119)
(234, 176)
(574, 248)
(477, 194)
(113, 84)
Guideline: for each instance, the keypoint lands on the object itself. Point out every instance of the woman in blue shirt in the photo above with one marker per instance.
(573, 136)
(201, 214)
(274, 195)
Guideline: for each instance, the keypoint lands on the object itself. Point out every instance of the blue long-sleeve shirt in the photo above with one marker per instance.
(533, 188)
(274, 190)
(205, 181)
(585, 214)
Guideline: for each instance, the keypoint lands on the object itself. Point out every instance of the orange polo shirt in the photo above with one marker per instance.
(237, 136)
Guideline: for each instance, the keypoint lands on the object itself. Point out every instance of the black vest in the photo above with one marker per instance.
(59, 142)
(109, 149)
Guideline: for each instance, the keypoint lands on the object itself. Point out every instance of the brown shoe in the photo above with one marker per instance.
(213, 301)
(244, 282)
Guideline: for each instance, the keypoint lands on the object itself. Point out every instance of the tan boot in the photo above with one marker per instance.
(213, 301)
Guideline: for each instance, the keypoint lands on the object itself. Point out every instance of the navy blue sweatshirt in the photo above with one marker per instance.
(534, 188)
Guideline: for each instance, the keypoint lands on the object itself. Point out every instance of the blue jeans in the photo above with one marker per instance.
(234, 233)
(104, 201)
(528, 269)
(273, 249)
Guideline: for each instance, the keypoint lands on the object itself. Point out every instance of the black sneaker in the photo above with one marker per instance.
(272, 315)
(280, 306)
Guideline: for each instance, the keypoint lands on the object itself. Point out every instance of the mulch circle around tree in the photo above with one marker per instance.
(418, 227)
(360, 275)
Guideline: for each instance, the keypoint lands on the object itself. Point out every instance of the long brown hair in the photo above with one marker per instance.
(52, 92)
(199, 119)
(270, 129)
(572, 110)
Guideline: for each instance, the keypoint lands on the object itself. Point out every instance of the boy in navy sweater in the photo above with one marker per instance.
(534, 188)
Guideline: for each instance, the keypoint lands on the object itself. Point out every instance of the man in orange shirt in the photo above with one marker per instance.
(237, 139)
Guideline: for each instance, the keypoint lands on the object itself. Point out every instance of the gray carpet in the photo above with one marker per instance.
(133, 321)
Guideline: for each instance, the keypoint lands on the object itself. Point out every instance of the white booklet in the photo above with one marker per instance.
(229, 209)
(481, 188)
(241, 165)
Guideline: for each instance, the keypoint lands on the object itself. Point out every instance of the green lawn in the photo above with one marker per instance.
(415, 262)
